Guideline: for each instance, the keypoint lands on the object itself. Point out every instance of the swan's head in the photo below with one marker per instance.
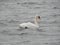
(37, 18)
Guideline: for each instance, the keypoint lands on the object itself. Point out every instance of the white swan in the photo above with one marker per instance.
(31, 25)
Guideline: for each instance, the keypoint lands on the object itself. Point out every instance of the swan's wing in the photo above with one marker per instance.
(22, 25)
(28, 24)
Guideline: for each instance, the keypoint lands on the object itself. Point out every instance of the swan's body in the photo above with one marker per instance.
(28, 25)
(31, 25)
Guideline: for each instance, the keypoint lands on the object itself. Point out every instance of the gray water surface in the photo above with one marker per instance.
(14, 12)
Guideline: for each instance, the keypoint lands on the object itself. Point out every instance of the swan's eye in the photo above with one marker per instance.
(39, 17)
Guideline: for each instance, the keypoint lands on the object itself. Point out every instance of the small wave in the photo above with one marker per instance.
(31, 3)
(13, 21)
(2, 24)
(56, 7)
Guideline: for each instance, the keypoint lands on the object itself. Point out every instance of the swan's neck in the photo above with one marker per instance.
(36, 22)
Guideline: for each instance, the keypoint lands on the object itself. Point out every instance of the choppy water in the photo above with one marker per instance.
(14, 12)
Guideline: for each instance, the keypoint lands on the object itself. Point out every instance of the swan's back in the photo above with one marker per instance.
(28, 25)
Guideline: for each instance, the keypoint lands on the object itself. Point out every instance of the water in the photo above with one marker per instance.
(14, 12)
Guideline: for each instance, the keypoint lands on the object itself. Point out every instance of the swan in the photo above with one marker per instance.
(31, 25)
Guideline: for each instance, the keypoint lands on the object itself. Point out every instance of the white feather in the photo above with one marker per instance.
(29, 24)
